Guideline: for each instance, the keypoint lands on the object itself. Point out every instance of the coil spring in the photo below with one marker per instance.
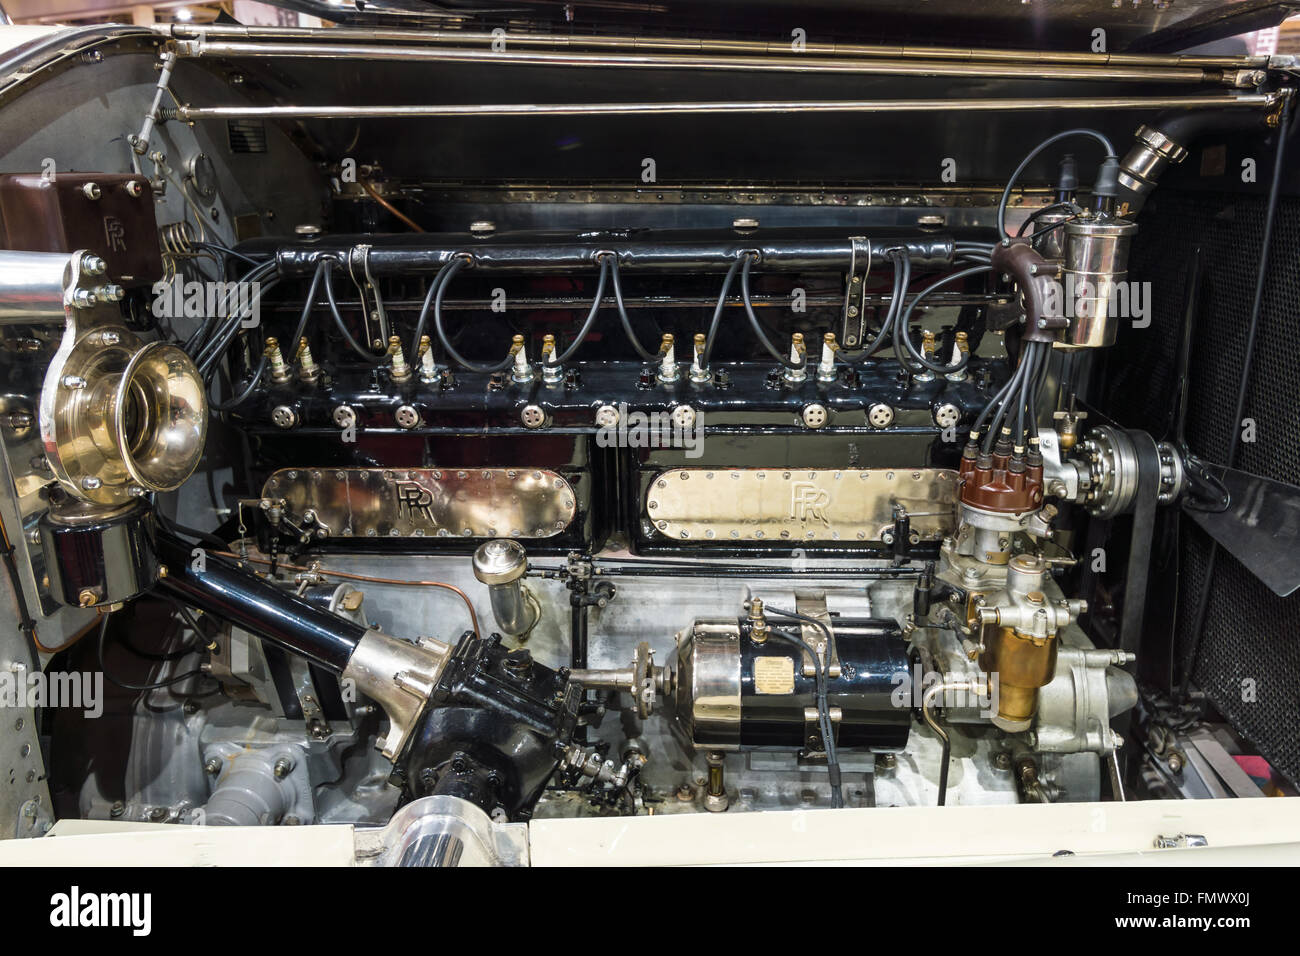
(176, 240)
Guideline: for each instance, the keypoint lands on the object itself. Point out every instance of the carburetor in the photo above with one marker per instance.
(1020, 625)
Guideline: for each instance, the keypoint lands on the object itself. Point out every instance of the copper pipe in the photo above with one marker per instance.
(370, 191)
(473, 617)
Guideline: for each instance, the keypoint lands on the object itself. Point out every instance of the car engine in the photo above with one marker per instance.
(439, 425)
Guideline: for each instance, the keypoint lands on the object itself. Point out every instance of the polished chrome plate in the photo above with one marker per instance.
(778, 504)
(419, 502)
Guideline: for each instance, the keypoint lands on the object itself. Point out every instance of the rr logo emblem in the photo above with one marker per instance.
(808, 501)
(416, 499)
(114, 234)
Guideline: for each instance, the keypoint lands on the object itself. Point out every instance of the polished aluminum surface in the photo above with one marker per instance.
(786, 504)
(419, 502)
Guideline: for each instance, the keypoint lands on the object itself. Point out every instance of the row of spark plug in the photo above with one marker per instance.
(668, 370)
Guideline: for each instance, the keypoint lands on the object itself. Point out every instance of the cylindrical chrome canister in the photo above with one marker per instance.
(1095, 277)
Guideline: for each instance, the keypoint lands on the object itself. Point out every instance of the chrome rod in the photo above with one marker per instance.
(344, 35)
(1220, 101)
(679, 61)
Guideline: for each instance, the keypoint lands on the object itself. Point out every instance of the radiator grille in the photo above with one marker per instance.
(1252, 637)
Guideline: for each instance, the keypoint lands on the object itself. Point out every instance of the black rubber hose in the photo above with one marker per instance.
(641, 350)
(452, 269)
(823, 703)
(1033, 153)
(994, 402)
(127, 685)
(719, 309)
(1000, 414)
(823, 718)
(904, 321)
(1033, 217)
(195, 346)
(260, 369)
(898, 328)
(212, 349)
(215, 347)
(1025, 388)
(423, 320)
(591, 319)
(1044, 365)
(898, 294)
(750, 257)
(1184, 127)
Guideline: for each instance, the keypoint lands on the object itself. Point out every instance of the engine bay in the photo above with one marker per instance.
(438, 430)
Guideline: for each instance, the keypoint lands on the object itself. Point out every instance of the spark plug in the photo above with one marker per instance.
(308, 370)
(798, 355)
(400, 371)
(279, 371)
(428, 368)
(551, 374)
(924, 374)
(826, 369)
(699, 371)
(523, 372)
(667, 359)
(960, 350)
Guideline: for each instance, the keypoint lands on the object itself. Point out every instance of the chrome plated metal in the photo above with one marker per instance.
(1149, 157)
(118, 418)
(708, 683)
(443, 831)
(97, 555)
(786, 504)
(187, 113)
(582, 41)
(501, 564)
(658, 60)
(160, 417)
(400, 676)
(1096, 268)
(405, 503)
(32, 286)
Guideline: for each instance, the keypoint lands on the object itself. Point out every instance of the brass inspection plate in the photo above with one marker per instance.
(419, 502)
(778, 504)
